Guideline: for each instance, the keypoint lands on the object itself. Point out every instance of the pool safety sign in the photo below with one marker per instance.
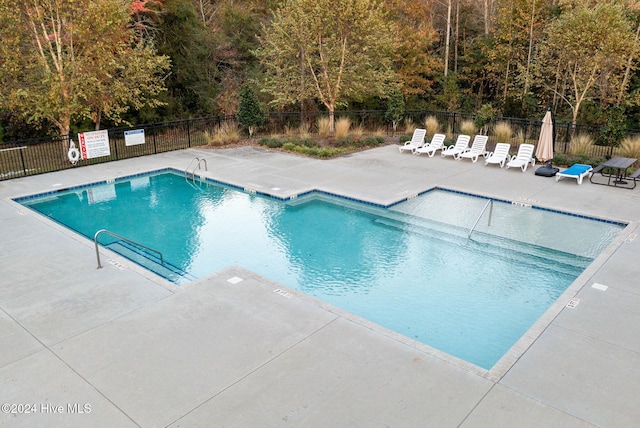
(94, 144)
(134, 137)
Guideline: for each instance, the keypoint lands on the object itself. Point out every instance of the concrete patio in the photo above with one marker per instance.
(120, 347)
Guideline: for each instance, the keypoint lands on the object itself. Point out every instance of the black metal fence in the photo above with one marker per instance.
(37, 156)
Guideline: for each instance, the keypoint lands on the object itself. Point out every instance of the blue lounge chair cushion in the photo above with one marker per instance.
(576, 169)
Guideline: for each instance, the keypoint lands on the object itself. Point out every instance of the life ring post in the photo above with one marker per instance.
(73, 154)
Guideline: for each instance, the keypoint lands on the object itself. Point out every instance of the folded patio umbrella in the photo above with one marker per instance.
(544, 151)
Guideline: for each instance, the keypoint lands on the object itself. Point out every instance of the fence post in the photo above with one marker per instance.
(188, 133)
(24, 166)
(115, 145)
(155, 147)
(453, 126)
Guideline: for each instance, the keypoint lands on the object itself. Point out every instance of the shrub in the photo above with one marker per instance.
(342, 142)
(323, 126)
(271, 142)
(502, 131)
(395, 109)
(484, 117)
(342, 127)
(467, 127)
(569, 159)
(374, 141)
(318, 152)
(580, 144)
(561, 159)
(289, 146)
(431, 125)
(308, 142)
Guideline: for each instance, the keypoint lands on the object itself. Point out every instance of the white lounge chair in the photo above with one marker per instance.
(462, 144)
(478, 148)
(499, 155)
(417, 140)
(523, 158)
(577, 171)
(437, 143)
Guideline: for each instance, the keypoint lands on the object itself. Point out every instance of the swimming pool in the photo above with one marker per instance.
(410, 268)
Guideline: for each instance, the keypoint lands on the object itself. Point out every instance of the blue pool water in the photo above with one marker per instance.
(410, 268)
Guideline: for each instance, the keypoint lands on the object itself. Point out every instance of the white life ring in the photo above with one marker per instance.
(73, 155)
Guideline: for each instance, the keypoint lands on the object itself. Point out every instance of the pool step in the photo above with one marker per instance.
(492, 245)
(151, 261)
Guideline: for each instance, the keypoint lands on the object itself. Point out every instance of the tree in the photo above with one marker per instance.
(484, 117)
(193, 85)
(395, 109)
(346, 47)
(250, 115)
(585, 53)
(518, 28)
(64, 60)
(414, 58)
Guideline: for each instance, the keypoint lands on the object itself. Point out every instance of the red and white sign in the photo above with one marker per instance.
(94, 144)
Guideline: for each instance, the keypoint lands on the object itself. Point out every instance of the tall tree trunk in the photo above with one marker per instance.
(506, 81)
(530, 53)
(457, 38)
(627, 72)
(487, 26)
(447, 39)
(332, 113)
(302, 85)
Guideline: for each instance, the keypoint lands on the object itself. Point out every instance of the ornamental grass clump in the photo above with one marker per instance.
(581, 144)
(467, 127)
(357, 131)
(304, 130)
(323, 126)
(409, 126)
(503, 132)
(225, 133)
(431, 125)
(343, 125)
(630, 147)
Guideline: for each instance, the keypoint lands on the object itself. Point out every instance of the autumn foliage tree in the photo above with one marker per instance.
(330, 50)
(65, 60)
(414, 59)
(585, 53)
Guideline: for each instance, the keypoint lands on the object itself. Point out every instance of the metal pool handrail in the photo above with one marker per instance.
(488, 204)
(95, 241)
(193, 173)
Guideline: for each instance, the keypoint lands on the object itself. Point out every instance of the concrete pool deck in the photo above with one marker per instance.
(120, 347)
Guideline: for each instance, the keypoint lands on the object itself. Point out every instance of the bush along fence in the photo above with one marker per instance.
(37, 156)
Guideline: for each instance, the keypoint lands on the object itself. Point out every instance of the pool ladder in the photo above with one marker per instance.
(95, 241)
(198, 161)
(489, 205)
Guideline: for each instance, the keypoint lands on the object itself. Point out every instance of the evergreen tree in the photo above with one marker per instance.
(250, 114)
